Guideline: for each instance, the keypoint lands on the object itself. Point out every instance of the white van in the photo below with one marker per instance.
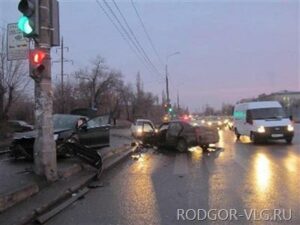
(262, 121)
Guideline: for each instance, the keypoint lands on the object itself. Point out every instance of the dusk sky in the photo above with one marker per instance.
(229, 49)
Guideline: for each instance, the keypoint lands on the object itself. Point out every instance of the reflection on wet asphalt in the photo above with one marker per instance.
(250, 180)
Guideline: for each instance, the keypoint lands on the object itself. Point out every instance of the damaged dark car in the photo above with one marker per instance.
(91, 133)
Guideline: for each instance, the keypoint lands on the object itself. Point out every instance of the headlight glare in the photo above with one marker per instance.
(261, 129)
(290, 128)
(139, 130)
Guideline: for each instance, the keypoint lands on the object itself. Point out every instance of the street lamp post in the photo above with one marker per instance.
(167, 78)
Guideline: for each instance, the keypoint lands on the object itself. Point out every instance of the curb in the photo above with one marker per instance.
(66, 194)
(72, 170)
(16, 196)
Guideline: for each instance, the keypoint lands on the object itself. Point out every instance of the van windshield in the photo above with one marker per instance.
(267, 113)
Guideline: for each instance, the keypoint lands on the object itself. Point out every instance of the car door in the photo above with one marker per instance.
(172, 133)
(148, 133)
(162, 133)
(96, 133)
(248, 124)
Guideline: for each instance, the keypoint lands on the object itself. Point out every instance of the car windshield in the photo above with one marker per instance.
(64, 121)
(23, 123)
(164, 127)
(267, 113)
(98, 121)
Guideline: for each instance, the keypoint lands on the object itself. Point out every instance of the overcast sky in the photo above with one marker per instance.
(229, 49)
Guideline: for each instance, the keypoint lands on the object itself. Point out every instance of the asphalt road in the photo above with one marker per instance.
(241, 184)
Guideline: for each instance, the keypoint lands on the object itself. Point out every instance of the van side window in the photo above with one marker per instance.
(249, 118)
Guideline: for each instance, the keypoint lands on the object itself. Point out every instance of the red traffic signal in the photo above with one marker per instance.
(37, 57)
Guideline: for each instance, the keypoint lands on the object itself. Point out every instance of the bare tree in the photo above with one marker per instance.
(127, 96)
(99, 86)
(103, 88)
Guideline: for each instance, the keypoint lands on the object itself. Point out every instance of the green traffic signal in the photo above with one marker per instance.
(24, 25)
(170, 109)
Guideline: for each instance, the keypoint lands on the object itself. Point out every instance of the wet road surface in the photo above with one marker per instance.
(241, 184)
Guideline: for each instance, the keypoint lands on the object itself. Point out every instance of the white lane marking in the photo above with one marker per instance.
(181, 165)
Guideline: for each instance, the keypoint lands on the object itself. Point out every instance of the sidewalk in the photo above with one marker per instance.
(24, 195)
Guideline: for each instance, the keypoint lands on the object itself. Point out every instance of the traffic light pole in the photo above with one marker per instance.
(167, 85)
(44, 146)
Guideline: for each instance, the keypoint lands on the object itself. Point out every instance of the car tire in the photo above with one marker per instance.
(182, 145)
(237, 134)
(254, 138)
(204, 148)
(289, 140)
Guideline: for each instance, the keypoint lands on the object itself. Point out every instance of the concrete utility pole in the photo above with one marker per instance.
(178, 106)
(62, 73)
(44, 146)
(62, 61)
(167, 85)
(167, 78)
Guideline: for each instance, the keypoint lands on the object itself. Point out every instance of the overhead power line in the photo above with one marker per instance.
(135, 38)
(146, 32)
(123, 35)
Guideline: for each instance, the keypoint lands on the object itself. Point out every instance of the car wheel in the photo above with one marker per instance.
(204, 147)
(237, 134)
(253, 138)
(289, 140)
(182, 145)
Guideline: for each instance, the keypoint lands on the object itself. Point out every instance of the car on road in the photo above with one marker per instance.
(215, 121)
(140, 127)
(19, 126)
(181, 135)
(91, 133)
(262, 121)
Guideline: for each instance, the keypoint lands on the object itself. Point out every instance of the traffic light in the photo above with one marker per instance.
(169, 108)
(36, 58)
(29, 22)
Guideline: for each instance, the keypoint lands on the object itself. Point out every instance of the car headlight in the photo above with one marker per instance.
(140, 130)
(261, 129)
(202, 121)
(219, 123)
(209, 123)
(55, 136)
(290, 128)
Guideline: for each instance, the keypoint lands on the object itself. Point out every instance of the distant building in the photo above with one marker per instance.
(290, 100)
(286, 98)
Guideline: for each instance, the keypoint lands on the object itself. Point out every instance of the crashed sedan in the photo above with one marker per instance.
(90, 133)
(181, 135)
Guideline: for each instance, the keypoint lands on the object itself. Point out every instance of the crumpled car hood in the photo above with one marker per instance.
(33, 134)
